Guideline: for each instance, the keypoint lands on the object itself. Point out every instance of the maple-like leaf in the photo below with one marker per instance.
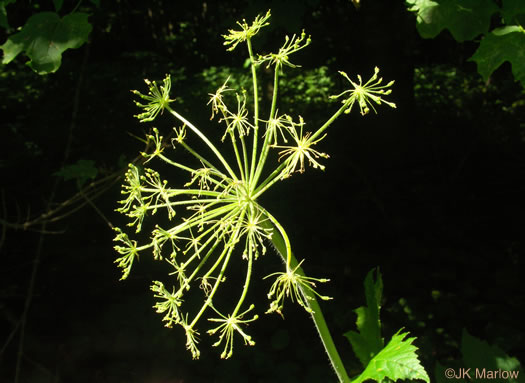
(368, 342)
(500, 45)
(464, 19)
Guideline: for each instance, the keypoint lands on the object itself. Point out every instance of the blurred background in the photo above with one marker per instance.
(430, 192)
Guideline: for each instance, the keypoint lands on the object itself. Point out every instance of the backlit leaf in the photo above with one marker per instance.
(398, 360)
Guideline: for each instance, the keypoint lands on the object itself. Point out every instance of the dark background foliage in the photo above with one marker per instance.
(431, 192)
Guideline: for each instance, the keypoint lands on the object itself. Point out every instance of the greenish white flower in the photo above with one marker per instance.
(366, 94)
(229, 324)
(290, 284)
(157, 99)
(233, 38)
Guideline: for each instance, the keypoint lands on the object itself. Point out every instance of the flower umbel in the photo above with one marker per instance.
(169, 304)
(296, 155)
(247, 31)
(212, 216)
(129, 252)
(191, 338)
(157, 142)
(238, 122)
(291, 284)
(157, 99)
(290, 46)
(216, 101)
(230, 324)
(276, 126)
(372, 90)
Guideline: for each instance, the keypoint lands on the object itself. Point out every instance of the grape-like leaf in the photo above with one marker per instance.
(44, 38)
(398, 360)
(500, 45)
(368, 342)
(464, 19)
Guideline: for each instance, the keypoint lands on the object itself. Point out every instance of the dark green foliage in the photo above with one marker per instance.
(308, 90)
(396, 360)
(481, 362)
(465, 20)
(500, 45)
(470, 19)
(513, 12)
(3, 13)
(81, 171)
(45, 37)
(479, 355)
(368, 342)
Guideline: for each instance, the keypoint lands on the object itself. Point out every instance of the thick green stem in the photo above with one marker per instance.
(317, 314)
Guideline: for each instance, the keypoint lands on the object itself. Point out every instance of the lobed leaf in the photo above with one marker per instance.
(398, 360)
(465, 20)
(500, 45)
(368, 342)
(44, 38)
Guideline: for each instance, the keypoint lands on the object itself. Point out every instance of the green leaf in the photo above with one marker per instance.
(44, 38)
(502, 44)
(484, 359)
(513, 12)
(464, 19)
(81, 171)
(3, 13)
(368, 342)
(398, 360)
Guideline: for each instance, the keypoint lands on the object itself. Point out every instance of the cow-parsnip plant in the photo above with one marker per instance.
(216, 215)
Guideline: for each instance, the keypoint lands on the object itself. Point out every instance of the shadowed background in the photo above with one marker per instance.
(430, 192)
